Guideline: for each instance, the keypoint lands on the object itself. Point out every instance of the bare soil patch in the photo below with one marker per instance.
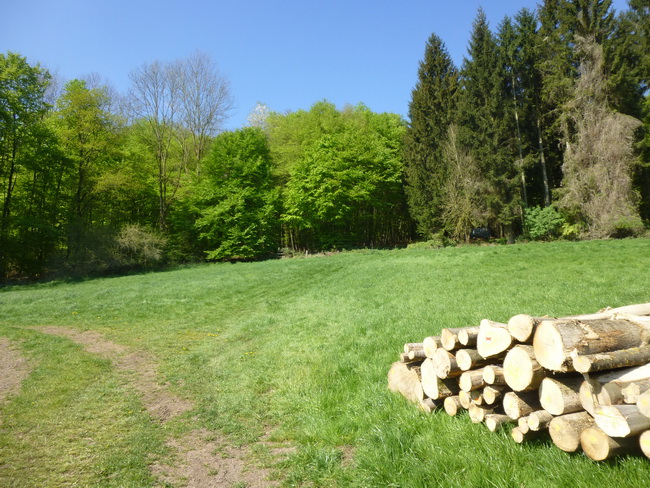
(14, 368)
(201, 458)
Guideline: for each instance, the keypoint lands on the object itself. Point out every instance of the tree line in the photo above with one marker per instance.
(542, 132)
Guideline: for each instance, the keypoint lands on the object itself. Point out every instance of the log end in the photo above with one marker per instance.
(549, 348)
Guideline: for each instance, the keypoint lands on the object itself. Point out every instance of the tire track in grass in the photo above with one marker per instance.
(14, 368)
(202, 459)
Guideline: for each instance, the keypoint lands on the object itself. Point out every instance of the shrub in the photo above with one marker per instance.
(544, 223)
(138, 246)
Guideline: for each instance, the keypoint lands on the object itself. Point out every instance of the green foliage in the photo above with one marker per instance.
(236, 203)
(544, 224)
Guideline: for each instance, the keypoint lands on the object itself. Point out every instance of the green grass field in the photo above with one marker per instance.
(296, 352)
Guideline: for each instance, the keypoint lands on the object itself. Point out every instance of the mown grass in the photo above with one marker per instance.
(298, 351)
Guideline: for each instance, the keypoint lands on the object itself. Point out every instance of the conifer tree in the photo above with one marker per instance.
(433, 102)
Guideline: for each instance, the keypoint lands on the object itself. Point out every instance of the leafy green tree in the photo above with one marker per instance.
(236, 204)
(431, 109)
(22, 109)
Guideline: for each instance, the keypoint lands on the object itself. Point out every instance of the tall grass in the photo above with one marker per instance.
(298, 350)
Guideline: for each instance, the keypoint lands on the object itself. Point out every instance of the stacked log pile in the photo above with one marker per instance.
(582, 380)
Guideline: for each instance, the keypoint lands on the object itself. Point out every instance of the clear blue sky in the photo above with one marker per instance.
(287, 54)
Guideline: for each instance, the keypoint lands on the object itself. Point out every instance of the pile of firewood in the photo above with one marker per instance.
(584, 380)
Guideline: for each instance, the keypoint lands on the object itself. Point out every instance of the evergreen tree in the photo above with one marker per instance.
(433, 102)
(486, 129)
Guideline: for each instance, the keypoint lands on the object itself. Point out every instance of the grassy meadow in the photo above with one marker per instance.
(296, 351)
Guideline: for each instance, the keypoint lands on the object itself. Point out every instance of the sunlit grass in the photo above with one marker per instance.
(298, 350)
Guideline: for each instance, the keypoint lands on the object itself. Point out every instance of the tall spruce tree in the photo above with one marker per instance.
(433, 101)
(486, 130)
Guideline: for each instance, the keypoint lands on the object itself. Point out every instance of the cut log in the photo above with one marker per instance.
(428, 405)
(495, 420)
(493, 338)
(492, 394)
(445, 364)
(643, 403)
(493, 375)
(621, 420)
(517, 405)
(417, 355)
(405, 379)
(465, 399)
(451, 405)
(598, 446)
(520, 437)
(449, 338)
(632, 391)
(471, 380)
(413, 346)
(434, 387)
(477, 413)
(468, 336)
(522, 423)
(470, 359)
(565, 430)
(557, 342)
(592, 393)
(539, 420)
(430, 344)
(521, 370)
(644, 443)
(522, 326)
(622, 358)
(561, 395)
(404, 358)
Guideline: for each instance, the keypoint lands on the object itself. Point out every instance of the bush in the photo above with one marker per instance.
(544, 223)
(139, 247)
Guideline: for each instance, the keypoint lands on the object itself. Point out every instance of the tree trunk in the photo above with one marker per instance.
(413, 346)
(468, 336)
(643, 403)
(493, 339)
(430, 344)
(517, 405)
(597, 445)
(491, 394)
(471, 380)
(428, 405)
(565, 430)
(494, 375)
(644, 442)
(632, 391)
(542, 160)
(495, 420)
(445, 364)
(477, 413)
(561, 395)
(470, 359)
(592, 394)
(434, 387)
(556, 342)
(449, 338)
(451, 405)
(621, 358)
(521, 370)
(539, 420)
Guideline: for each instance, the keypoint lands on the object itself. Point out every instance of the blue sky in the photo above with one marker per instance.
(287, 54)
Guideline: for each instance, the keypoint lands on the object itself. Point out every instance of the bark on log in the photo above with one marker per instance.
(597, 445)
(621, 420)
(445, 364)
(561, 395)
(565, 430)
(517, 405)
(493, 338)
(522, 326)
(451, 405)
(492, 393)
(495, 420)
(592, 393)
(413, 346)
(471, 380)
(430, 344)
(494, 375)
(405, 379)
(521, 370)
(522, 423)
(539, 420)
(468, 336)
(417, 355)
(470, 359)
(632, 391)
(557, 342)
(621, 358)
(434, 387)
(644, 443)
(465, 399)
(520, 437)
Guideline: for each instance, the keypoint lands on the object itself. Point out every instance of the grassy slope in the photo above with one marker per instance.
(301, 348)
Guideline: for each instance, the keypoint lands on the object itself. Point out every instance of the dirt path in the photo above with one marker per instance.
(14, 368)
(201, 458)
